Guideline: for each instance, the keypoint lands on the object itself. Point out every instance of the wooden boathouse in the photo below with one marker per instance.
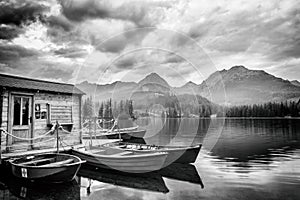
(29, 108)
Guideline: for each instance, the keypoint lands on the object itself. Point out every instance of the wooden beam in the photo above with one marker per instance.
(32, 125)
(6, 156)
(80, 120)
(10, 122)
(1, 109)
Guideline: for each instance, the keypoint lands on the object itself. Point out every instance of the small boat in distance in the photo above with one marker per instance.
(52, 167)
(125, 161)
(177, 154)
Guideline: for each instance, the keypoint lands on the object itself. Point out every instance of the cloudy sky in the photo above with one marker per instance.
(103, 41)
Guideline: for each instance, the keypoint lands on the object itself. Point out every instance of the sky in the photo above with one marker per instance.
(103, 41)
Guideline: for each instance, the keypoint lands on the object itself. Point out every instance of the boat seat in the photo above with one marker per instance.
(123, 153)
(37, 161)
(68, 161)
(96, 150)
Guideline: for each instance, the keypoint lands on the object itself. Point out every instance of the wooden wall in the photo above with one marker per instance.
(63, 107)
(4, 118)
(5, 110)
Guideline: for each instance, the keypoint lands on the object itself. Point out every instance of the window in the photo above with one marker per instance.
(25, 111)
(21, 111)
(41, 111)
(17, 110)
(37, 111)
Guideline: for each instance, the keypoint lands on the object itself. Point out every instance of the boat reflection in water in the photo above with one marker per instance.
(92, 179)
(16, 188)
(151, 181)
(182, 172)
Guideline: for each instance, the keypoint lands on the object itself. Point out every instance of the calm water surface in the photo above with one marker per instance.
(240, 159)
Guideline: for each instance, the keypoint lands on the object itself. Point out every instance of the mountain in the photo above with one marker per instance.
(116, 91)
(188, 88)
(154, 78)
(295, 82)
(238, 84)
(243, 86)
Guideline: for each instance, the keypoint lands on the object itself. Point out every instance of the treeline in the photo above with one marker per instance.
(106, 110)
(185, 106)
(271, 109)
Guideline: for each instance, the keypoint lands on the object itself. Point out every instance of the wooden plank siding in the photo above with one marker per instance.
(63, 107)
(4, 119)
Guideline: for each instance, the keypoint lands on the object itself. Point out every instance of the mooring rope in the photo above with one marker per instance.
(64, 130)
(41, 142)
(29, 139)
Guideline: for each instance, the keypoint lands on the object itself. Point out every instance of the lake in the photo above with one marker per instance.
(240, 159)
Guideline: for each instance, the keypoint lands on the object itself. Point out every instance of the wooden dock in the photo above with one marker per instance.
(7, 156)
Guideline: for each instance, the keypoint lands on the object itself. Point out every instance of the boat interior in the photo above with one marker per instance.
(100, 150)
(45, 160)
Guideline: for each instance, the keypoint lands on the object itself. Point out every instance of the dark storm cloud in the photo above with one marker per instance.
(9, 32)
(71, 52)
(120, 42)
(14, 15)
(12, 53)
(20, 12)
(133, 11)
(126, 63)
(60, 22)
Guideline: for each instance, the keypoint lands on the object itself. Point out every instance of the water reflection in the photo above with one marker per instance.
(149, 181)
(252, 159)
(18, 189)
(182, 172)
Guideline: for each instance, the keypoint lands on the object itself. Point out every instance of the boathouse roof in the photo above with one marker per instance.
(18, 82)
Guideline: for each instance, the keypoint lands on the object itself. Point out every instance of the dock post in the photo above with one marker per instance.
(90, 132)
(57, 138)
(0, 146)
(95, 125)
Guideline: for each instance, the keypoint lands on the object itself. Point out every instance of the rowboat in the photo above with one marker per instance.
(117, 134)
(50, 167)
(125, 161)
(177, 154)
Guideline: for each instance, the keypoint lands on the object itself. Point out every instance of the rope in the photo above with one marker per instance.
(31, 144)
(61, 128)
(29, 139)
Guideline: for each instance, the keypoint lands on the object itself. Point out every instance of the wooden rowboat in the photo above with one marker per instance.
(50, 167)
(176, 154)
(125, 161)
(117, 135)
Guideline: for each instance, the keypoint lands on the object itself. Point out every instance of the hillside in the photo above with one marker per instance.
(244, 86)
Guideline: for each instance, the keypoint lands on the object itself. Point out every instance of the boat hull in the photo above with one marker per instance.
(56, 174)
(141, 163)
(184, 155)
(126, 135)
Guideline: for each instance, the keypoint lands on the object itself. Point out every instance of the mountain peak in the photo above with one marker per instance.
(238, 67)
(154, 78)
(296, 83)
(190, 83)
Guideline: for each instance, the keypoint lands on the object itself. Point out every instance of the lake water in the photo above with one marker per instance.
(240, 159)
